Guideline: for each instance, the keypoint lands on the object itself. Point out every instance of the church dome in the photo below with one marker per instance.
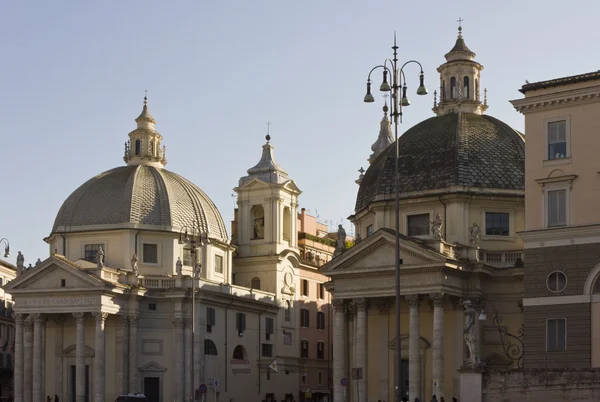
(141, 195)
(455, 149)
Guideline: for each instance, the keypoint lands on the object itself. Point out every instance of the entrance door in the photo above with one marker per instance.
(404, 379)
(152, 389)
(73, 382)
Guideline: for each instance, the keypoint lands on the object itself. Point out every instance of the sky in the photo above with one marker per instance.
(73, 76)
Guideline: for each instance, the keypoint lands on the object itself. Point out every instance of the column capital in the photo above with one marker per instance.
(187, 322)
(134, 320)
(100, 316)
(79, 317)
(28, 322)
(19, 318)
(339, 305)
(413, 300)
(124, 320)
(38, 318)
(177, 322)
(351, 308)
(438, 299)
(361, 304)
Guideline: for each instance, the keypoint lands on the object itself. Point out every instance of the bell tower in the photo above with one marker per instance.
(267, 208)
(460, 81)
(144, 145)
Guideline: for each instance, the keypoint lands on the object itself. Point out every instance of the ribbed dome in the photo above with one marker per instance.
(455, 149)
(139, 197)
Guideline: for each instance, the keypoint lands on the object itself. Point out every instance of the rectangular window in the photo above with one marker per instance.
(557, 208)
(287, 338)
(187, 257)
(287, 313)
(369, 230)
(219, 264)
(320, 378)
(556, 335)
(304, 287)
(320, 350)
(304, 318)
(320, 320)
(210, 318)
(150, 253)
(269, 327)
(557, 139)
(418, 225)
(90, 251)
(63, 283)
(304, 349)
(304, 378)
(321, 291)
(240, 323)
(152, 306)
(496, 223)
(267, 350)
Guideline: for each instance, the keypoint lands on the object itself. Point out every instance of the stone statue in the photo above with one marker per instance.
(436, 227)
(340, 244)
(179, 267)
(475, 232)
(100, 258)
(134, 264)
(470, 334)
(20, 263)
(197, 270)
(38, 262)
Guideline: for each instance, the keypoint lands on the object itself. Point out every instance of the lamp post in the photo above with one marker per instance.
(398, 83)
(194, 239)
(6, 248)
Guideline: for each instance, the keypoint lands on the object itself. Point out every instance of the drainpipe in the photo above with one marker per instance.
(446, 225)
(226, 352)
(259, 351)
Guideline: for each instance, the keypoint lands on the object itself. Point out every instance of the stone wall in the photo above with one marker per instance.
(532, 385)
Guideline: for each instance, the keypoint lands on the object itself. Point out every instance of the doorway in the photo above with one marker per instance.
(404, 379)
(152, 388)
(73, 383)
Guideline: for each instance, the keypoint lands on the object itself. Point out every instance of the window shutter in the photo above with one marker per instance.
(307, 319)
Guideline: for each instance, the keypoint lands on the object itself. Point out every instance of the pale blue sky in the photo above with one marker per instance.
(74, 74)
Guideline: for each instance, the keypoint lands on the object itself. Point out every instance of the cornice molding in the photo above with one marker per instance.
(557, 100)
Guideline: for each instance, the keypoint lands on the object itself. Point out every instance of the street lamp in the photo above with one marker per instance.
(398, 83)
(193, 238)
(6, 248)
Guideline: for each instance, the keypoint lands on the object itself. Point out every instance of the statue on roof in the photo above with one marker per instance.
(20, 263)
(340, 244)
(134, 264)
(179, 267)
(436, 227)
(100, 258)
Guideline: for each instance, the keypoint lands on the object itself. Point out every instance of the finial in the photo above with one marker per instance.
(385, 106)
(460, 20)
(268, 137)
(145, 97)
(361, 171)
(485, 96)
(434, 98)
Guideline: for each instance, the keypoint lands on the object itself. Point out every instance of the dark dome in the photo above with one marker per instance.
(140, 196)
(463, 149)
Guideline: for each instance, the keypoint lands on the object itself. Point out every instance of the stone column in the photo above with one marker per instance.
(438, 345)
(339, 349)
(414, 352)
(80, 358)
(361, 346)
(384, 352)
(59, 321)
(124, 348)
(38, 327)
(28, 360)
(99, 358)
(134, 383)
(199, 348)
(178, 358)
(187, 387)
(18, 380)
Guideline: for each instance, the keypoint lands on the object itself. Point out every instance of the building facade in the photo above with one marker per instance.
(562, 228)
(8, 272)
(461, 205)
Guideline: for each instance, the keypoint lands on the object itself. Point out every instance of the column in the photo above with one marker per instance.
(438, 345)
(80, 358)
(178, 358)
(199, 348)
(414, 352)
(124, 349)
(187, 387)
(99, 358)
(384, 352)
(134, 383)
(28, 360)
(38, 327)
(59, 321)
(361, 346)
(339, 349)
(18, 381)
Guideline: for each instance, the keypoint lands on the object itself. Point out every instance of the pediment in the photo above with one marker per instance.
(404, 339)
(50, 275)
(154, 367)
(255, 183)
(378, 252)
(71, 351)
(291, 186)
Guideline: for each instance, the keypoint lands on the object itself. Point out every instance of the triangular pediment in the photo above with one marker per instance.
(404, 342)
(255, 183)
(153, 366)
(378, 252)
(51, 273)
(291, 186)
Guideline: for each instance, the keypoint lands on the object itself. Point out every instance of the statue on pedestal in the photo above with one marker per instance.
(179, 267)
(475, 233)
(134, 264)
(470, 334)
(436, 227)
(340, 244)
(100, 258)
(20, 263)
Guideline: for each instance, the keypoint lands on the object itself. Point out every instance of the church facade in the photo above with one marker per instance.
(144, 292)
(461, 205)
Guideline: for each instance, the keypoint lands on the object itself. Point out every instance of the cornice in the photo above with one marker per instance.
(557, 100)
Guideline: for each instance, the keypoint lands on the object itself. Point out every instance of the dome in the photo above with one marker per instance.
(455, 149)
(139, 196)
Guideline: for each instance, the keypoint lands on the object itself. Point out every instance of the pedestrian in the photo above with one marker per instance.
(434, 398)
(442, 399)
(454, 400)
(55, 398)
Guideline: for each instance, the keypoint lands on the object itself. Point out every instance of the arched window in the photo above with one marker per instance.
(287, 313)
(287, 224)
(258, 215)
(452, 88)
(255, 284)
(597, 285)
(304, 349)
(151, 148)
(443, 94)
(210, 349)
(138, 145)
(466, 87)
(239, 353)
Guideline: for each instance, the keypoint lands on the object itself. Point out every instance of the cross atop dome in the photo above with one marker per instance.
(144, 145)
